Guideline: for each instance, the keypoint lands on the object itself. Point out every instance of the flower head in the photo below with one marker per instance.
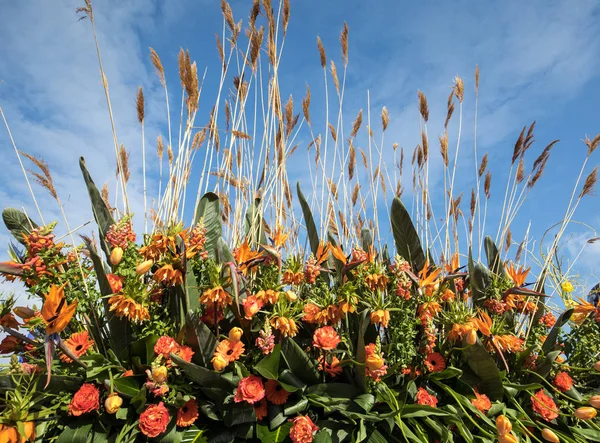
(326, 338)
(251, 306)
(543, 404)
(188, 413)
(481, 402)
(435, 362)
(127, 307)
(265, 342)
(563, 382)
(86, 399)
(154, 420)
(380, 317)
(424, 398)
(260, 409)
(78, 344)
(303, 429)
(216, 296)
(229, 351)
(275, 393)
(250, 389)
(287, 326)
(56, 312)
(332, 369)
(168, 276)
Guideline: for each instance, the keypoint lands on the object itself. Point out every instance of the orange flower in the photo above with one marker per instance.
(86, 399)
(483, 323)
(303, 429)
(260, 409)
(310, 313)
(267, 297)
(287, 326)
(333, 369)
(448, 295)
(78, 344)
(326, 338)
(453, 264)
(154, 420)
(127, 307)
(250, 389)
(428, 280)
(279, 236)
(244, 256)
(508, 343)
(338, 253)
(435, 362)
(275, 392)
(518, 276)
(291, 277)
(563, 381)
(164, 346)
(381, 317)
(187, 414)
(229, 351)
(9, 344)
(481, 402)
(169, 276)
(430, 309)
(424, 398)
(544, 405)
(115, 282)
(9, 321)
(251, 306)
(330, 314)
(376, 281)
(185, 353)
(56, 312)
(216, 295)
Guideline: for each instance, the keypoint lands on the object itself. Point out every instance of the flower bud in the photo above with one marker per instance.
(585, 413)
(159, 374)
(472, 336)
(219, 363)
(24, 312)
(549, 435)
(507, 438)
(503, 425)
(374, 362)
(235, 334)
(291, 295)
(595, 401)
(116, 256)
(112, 403)
(143, 267)
(597, 366)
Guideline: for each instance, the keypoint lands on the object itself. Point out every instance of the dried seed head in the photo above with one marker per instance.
(459, 88)
(285, 15)
(221, 52)
(518, 145)
(590, 181)
(228, 16)
(344, 42)
(476, 78)
(519, 251)
(520, 176)
(160, 71)
(43, 178)
(356, 125)
(256, 39)
(385, 118)
(483, 165)
(508, 243)
(170, 154)
(351, 160)
(254, 12)
(105, 196)
(139, 104)
(473, 203)
(423, 108)
(425, 142)
(199, 138)
(227, 115)
(322, 53)
(592, 144)
(364, 158)
(487, 184)
(355, 192)
(333, 133)
(306, 105)
(160, 146)
(395, 146)
(241, 135)
(444, 147)
(334, 75)
(124, 156)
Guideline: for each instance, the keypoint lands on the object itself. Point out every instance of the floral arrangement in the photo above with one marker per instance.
(230, 330)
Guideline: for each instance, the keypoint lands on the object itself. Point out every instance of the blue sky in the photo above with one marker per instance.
(538, 61)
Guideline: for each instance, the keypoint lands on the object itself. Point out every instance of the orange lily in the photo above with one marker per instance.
(56, 312)
(519, 275)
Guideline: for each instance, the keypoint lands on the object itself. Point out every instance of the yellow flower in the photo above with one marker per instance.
(159, 374)
(235, 334)
(219, 363)
(567, 287)
(585, 413)
(113, 403)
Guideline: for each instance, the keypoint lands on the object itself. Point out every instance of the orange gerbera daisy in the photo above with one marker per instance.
(127, 307)
(260, 409)
(518, 276)
(229, 350)
(275, 392)
(481, 402)
(188, 413)
(435, 362)
(78, 344)
(216, 295)
(169, 276)
(287, 326)
(334, 368)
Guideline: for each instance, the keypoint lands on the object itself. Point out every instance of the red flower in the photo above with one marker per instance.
(115, 282)
(260, 409)
(303, 429)
(185, 353)
(326, 338)
(425, 398)
(165, 345)
(9, 321)
(87, 399)
(435, 362)
(563, 381)
(9, 344)
(187, 414)
(544, 405)
(481, 402)
(275, 393)
(154, 420)
(250, 389)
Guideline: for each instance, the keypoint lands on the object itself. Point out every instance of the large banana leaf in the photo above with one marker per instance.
(17, 223)
(493, 257)
(102, 215)
(406, 238)
(311, 227)
(200, 338)
(208, 214)
(479, 278)
(484, 366)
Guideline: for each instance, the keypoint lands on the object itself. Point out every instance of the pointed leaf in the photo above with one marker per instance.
(268, 367)
(484, 366)
(406, 238)
(254, 228)
(311, 227)
(493, 257)
(299, 363)
(17, 223)
(208, 214)
(200, 338)
(550, 341)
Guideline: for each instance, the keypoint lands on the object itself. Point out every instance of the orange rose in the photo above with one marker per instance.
(326, 338)
(250, 389)
(87, 399)
(154, 420)
(544, 405)
(251, 306)
(303, 429)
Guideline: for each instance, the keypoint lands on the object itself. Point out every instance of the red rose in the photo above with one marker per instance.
(250, 389)
(563, 381)
(303, 429)
(87, 399)
(544, 405)
(154, 420)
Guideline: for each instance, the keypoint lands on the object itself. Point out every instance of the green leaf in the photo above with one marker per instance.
(128, 387)
(276, 436)
(193, 435)
(200, 338)
(406, 238)
(493, 257)
(365, 401)
(144, 348)
(254, 227)
(224, 254)
(484, 366)
(414, 410)
(97, 367)
(545, 366)
(311, 227)
(75, 433)
(335, 390)
(587, 433)
(550, 342)
(296, 408)
(208, 214)
(17, 223)
(299, 363)
(57, 383)
(449, 372)
(376, 437)
(102, 214)
(139, 400)
(275, 416)
(479, 280)
(322, 437)
(290, 382)
(366, 239)
(361, 352)
(268, 367)
(202, 376)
